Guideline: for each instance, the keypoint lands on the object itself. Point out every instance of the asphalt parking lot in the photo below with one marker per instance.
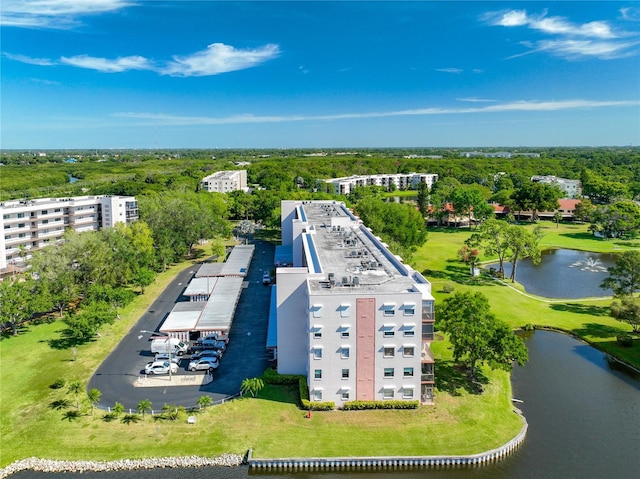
(246, 355)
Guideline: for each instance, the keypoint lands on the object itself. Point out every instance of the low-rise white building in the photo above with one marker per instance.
(351, 317)
(570, 188)
(225, 181)
(401, 181)
(28, 225)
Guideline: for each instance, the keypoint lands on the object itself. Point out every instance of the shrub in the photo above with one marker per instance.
(448, 288)
(362, 405)
(57, 384)
(625, 340)
(529, 327)
(318, 406)
(271, 376)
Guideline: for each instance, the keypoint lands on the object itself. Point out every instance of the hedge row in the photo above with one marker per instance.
(361, 405)
(271, 376)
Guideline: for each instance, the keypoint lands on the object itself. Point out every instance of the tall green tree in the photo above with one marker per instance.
(20, 298)
(423, 199)
(476, 336)
(616, 220)
(75, 387)
(627, 310)
(536, 197)
(522, 243)
(143, 406)
(251, 386)
(492, 237)
(624, 277)
(94, 396)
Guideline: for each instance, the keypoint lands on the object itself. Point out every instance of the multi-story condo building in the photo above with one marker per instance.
(402, 181)
(570, 188)
(351, 317)
(225, 181)
(28, 225)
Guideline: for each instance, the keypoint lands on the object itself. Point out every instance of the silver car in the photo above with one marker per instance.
(160, 367)
(204, 364)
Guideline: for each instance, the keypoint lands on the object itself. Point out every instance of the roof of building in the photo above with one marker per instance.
(200, 286)
(349, 255)
(183, 317)
(237, 264)
(217, 315)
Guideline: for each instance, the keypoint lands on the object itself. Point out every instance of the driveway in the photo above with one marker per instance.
(246, 355)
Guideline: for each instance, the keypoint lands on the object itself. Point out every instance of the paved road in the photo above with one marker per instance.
(246, 355)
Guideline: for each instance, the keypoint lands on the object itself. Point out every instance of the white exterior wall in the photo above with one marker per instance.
(402, 181)
(225, 181)
(331, 324)
(291, 305)
(36, 223)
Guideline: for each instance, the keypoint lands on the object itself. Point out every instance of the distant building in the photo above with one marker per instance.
(497, 154)
(351, 316)
(401, 181)
(28, 225)
(570, 188)
(225, 181)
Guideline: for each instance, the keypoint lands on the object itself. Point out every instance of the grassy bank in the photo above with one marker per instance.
(461, 422)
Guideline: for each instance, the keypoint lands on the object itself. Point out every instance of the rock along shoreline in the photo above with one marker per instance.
(49, 465)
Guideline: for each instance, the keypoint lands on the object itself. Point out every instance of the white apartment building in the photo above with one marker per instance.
(28, 225)
(570, 188)
(351, 317)
(225, 181)
(402, 181)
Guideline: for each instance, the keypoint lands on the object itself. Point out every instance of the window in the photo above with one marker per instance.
(388, 352)
(345, 374)
(44, 212)
(388, 393)
(408, 351)
(20, 215)
(345, 395)
(317, 394)
(344, 331)
(317, 374)
(389, 311)
(44, 222)
(57, 210)
(317, 353)
(317, 332)
(388, 372)
(388, 333)
(21, 225)
(408, 330)
(407, 373)
(407, 393)
(344, 352)
(6, 217)
(344, 310)
(409, 309)
(316, 309)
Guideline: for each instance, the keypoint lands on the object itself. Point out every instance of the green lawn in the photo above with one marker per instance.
(461, 422)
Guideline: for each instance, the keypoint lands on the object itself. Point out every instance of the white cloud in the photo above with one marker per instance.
(29, 60)
(219, 58)
(630, 13)
(475, 100)
(53, 13)
(597, 39)
(523, 106)
(449, 70)
(105, 65)
(550, 25)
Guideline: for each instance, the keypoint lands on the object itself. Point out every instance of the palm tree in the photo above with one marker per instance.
(204, 401)
(144, 406)
(251, 386)
(118, 408)
(75, 387)
(94, 396)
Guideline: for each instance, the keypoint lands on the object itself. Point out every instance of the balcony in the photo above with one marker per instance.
(426, 355)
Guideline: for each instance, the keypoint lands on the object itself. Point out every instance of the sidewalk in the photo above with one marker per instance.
(175, 380)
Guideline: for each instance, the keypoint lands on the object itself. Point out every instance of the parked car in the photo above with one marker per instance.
(160, 367)
(215, 345)
(165, 357)
(266, 278)
(204, 364)
(207, 353)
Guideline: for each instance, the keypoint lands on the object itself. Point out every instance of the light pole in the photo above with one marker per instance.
(167, 338)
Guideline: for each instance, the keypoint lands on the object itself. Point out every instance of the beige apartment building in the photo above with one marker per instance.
(225, 181)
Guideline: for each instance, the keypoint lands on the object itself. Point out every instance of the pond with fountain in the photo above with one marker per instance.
(564, 273)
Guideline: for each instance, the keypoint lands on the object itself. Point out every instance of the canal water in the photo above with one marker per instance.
(563, 273)
(584, 423)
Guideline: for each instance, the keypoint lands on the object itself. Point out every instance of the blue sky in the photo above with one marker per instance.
(213, 74)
